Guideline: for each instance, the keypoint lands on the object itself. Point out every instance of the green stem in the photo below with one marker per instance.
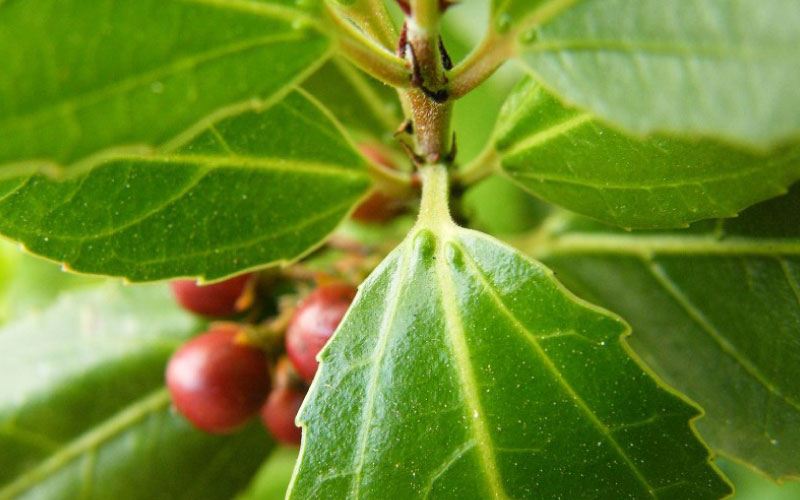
(426, 15)
(390, 181)
(481, 167)
(366, 53)
(373, 18)
(434, 209)
(480, 64)
(431, 116)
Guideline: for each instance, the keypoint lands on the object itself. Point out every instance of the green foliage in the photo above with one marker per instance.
(243, 193)
(483, 378)
(83, 413)
(132, 76)
(708, 67)
(565, 156)
(154, 139)
(714, 311)
(367, 108)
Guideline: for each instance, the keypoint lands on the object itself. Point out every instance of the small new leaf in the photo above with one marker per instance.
(482, 377)
(261, 187)
(570, 158)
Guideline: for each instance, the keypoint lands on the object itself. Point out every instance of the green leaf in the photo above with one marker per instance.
(262, 187)
(569, 158)
(271, 481)
(366, 107)
(715, 311)
(83, 412)
(79, 79)
(464, 370)
(750, 485)
(707, 67)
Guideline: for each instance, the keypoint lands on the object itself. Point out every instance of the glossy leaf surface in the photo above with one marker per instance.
(366, 107)
(464, 370)
(80, 78)
(569, 158)
(719, 68)
(715, 311)
(83, 412)
(262, 187)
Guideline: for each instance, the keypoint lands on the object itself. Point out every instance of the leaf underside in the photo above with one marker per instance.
(464, 370)
(261, 187)
(131, 76)
(715, 311)
(366, 107)
(83, 411)
(566, 156)
(716, 68)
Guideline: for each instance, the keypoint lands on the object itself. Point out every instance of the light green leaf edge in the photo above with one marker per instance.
(556, 240)
(37, 244)
(783, 163)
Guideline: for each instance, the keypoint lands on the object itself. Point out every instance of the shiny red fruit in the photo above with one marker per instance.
(279, 412)
(216, 301)
(313, 324)
(216, 382)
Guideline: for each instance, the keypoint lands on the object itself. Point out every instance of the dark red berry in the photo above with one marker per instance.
(218, 382)
(279, 412)
(377, 208)
(313, 324)
(217, 300)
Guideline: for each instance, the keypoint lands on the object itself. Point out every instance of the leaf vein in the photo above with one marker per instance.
(80, 101)
(130, 415)
(551, 367)
(454, 331)
(392, 307)
(660, 275)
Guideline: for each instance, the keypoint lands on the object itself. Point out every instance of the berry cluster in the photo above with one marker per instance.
(225, 376)
(265, 361)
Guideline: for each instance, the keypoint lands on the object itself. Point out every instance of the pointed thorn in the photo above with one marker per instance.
(406, 7)
(402, 42)
(447, 63)
(451, 156)
(416, 159)
(416, 75)
(406, 127)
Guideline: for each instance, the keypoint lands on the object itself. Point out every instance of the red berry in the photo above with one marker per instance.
(313, 324)
(279, 412)
(215, 300)
(217, 382)
(378, 207)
